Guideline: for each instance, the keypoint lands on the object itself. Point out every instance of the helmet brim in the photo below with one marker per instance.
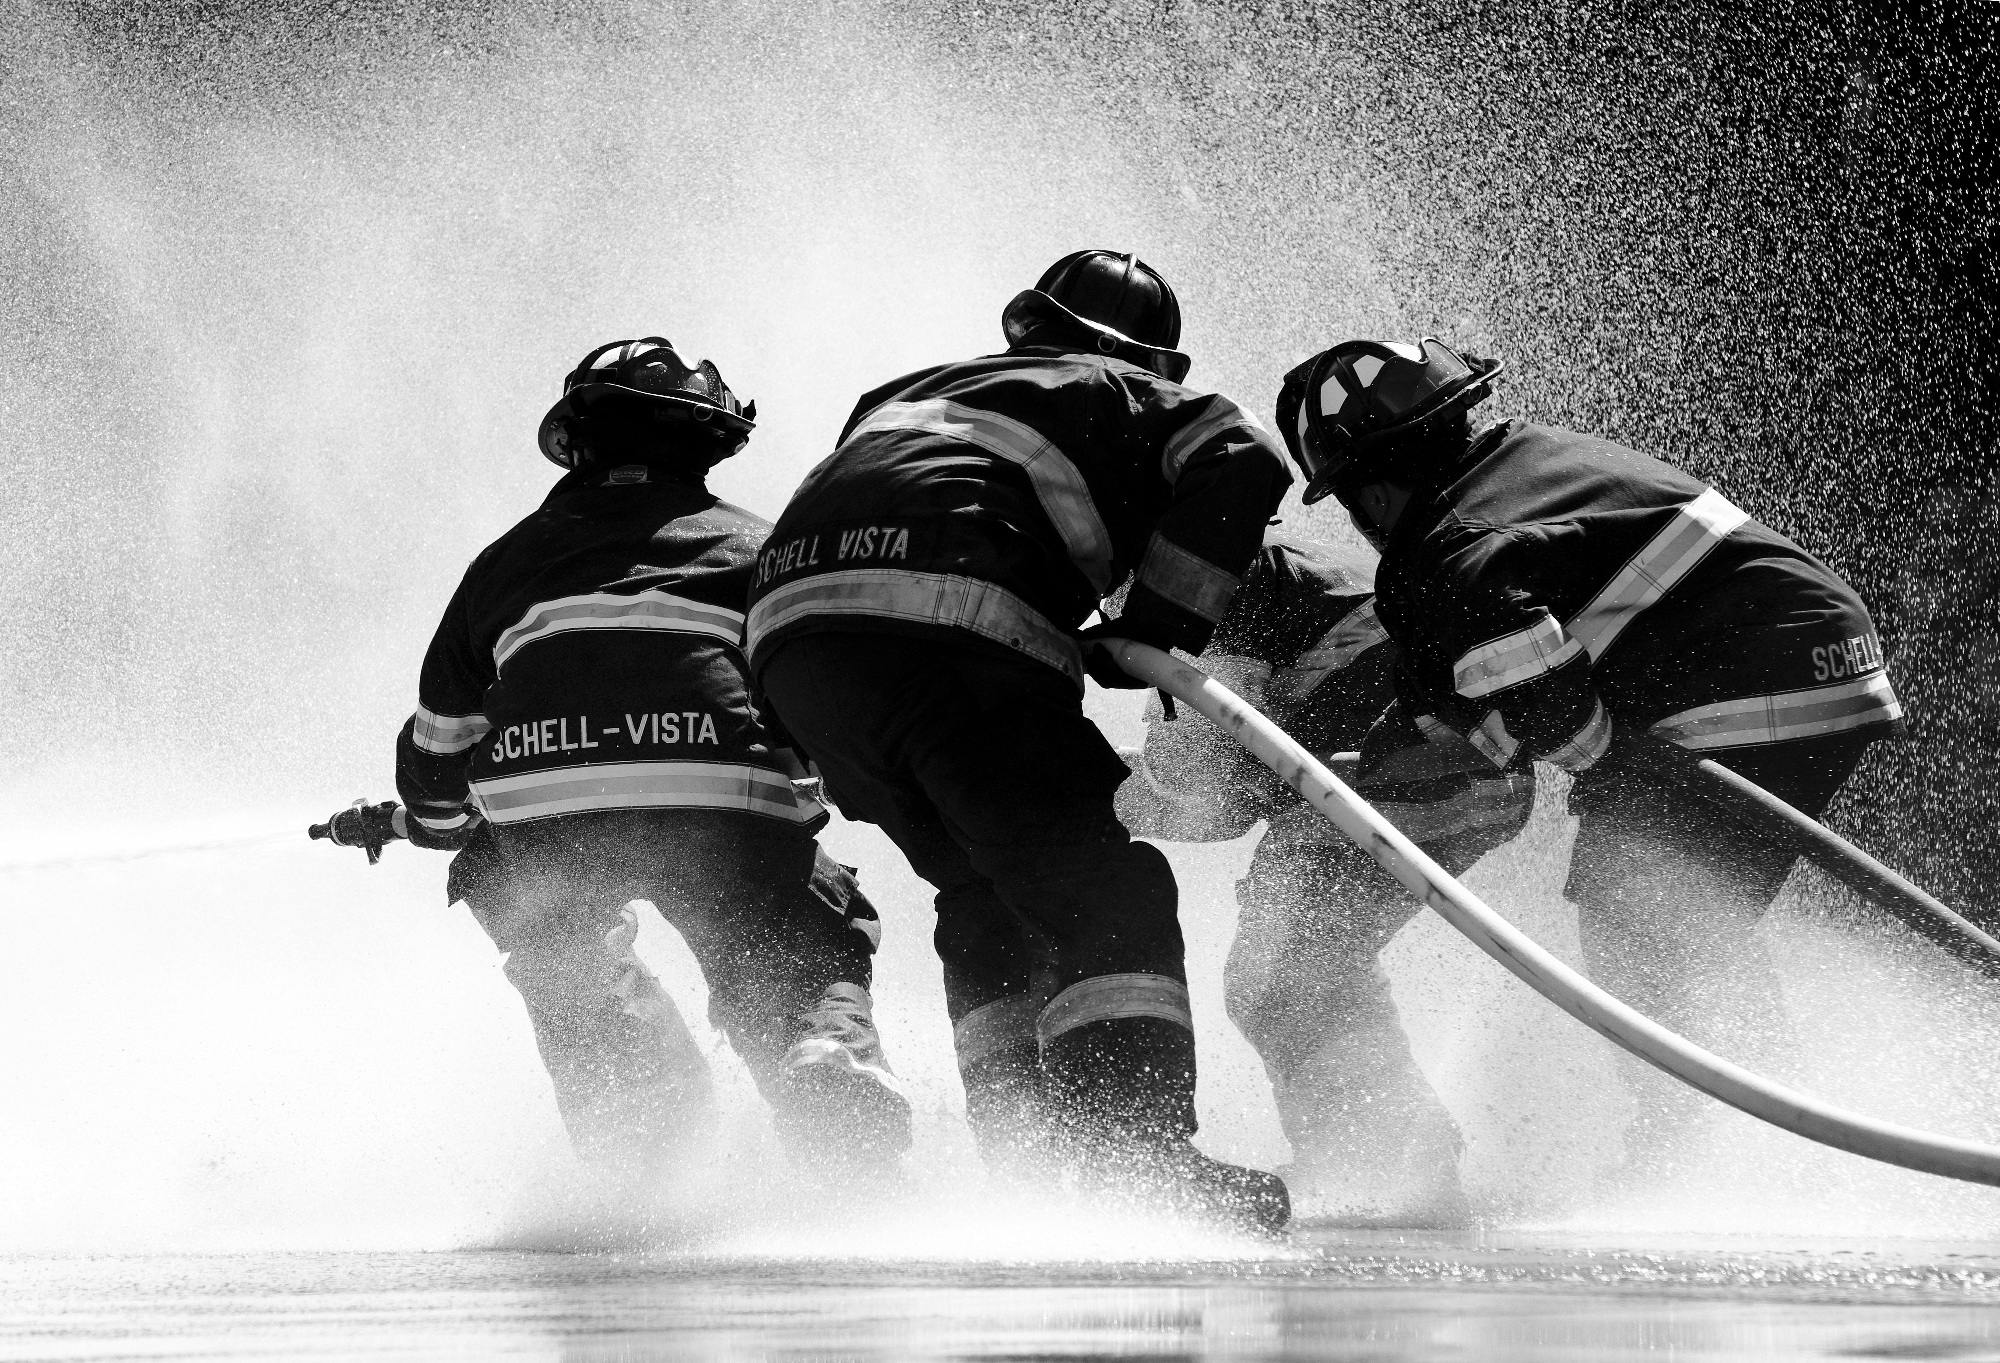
(588, 399)
(1319, 489)
(1031, 309)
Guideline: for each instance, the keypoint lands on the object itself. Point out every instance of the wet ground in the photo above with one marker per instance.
(1328, 1295)
(261, 1105)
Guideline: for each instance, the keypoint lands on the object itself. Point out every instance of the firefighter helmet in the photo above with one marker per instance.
(1358, 413)
(642, 383)
(1113, 299)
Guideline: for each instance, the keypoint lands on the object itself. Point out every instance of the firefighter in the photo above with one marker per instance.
(584, 736)
(1561, 598)
(915, 624)
(1301, 641)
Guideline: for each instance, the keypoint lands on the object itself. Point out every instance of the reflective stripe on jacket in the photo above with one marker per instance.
(592, 659)
(1558, 582)
(1001, 499)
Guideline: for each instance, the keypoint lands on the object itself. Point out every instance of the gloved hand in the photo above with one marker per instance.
(1407, 762)
(432, 840)
(369, 827)
(1470, 808)
(1098, 662)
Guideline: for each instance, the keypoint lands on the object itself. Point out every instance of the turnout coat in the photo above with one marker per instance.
(1554, 581)
(997, 501)
(592, 659)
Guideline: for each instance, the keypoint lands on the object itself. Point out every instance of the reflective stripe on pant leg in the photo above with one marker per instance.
(997, 1026)
(1106, 998)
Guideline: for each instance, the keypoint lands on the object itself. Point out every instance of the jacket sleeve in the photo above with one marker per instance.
(1225, 477)
(1502, 669)
(434, 749)
(1252, 625)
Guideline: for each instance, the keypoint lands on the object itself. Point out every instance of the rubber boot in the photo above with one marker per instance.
(1371, 1143)
(1007, 1111)
(1125, 1091)
(838, 1098)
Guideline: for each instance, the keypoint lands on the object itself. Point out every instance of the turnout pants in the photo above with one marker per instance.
(1669, 887)
(771, 920)
(1304, 985)
(1058, 934)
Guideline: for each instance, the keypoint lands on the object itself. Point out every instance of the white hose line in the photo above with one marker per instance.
(1794, 1111)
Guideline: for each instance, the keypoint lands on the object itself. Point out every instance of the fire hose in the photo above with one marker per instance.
(1799, 1113)
(1923, 912)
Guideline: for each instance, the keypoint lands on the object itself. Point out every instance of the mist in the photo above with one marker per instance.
(288, 288)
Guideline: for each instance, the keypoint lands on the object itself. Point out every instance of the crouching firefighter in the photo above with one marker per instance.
(1370, 1139)
(1562, 598)
(584, 736)
(914, 624)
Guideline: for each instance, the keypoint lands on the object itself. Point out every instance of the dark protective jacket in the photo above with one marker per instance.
(592, 659)
(1553, 581)
(999, 500)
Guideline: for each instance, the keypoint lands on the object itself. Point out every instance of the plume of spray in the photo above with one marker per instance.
(293, 285)
(318, 281)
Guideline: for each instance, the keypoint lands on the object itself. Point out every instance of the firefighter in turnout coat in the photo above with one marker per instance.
(914, 623)
(584, 734)
(1561, 598)
(1301, 641)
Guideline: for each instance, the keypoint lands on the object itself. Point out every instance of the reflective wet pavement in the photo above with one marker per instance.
(1330, 1295)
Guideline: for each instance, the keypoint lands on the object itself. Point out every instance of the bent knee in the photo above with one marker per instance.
(1275, 997)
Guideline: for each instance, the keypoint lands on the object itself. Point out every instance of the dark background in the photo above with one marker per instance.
(1757, 242)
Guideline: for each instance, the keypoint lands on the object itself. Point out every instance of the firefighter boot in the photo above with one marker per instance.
(1124, 1088)
(1371, 1142)
(1004, 1106)
(838, 1096)
(1000, 1065)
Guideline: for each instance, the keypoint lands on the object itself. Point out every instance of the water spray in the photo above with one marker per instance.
(175, 849)
(1799, 1113)
(1925, 914)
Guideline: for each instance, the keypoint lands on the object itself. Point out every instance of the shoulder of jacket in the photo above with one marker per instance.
(890, 391)
(1517, 435)
(739, 517)
(498, 548)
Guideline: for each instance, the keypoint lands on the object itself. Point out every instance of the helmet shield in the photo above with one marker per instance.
(644, 380)
(1350, 415)
(1113, 299)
